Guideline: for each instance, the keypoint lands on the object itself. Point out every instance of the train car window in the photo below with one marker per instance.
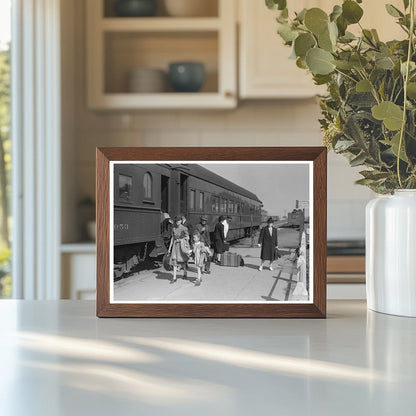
(201, 201)
(192, 199)
(215, 204)
(147, 185)
(124, 187)
(223, 205)
(231, 207)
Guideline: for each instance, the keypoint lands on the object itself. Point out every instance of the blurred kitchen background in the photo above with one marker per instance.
(118, 88)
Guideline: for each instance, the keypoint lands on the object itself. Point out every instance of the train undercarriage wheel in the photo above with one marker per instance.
(131, 258)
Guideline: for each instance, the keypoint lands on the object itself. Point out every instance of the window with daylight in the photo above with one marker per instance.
(147, 185)
(192, 199)
(201, 201)
(124, 187)
(215, 204)
(5, 149)
(223, 205)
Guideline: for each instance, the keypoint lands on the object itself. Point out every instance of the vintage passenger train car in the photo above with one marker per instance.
(145, 193)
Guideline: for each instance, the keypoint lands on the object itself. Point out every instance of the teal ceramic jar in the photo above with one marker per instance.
(186, 76)
(135, 8)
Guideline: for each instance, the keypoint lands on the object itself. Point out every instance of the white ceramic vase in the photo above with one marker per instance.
(391, 253)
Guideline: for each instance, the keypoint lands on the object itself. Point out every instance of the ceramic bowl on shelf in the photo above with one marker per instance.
(191, 8)
(147, 80)
(186, 76)
(135, 8)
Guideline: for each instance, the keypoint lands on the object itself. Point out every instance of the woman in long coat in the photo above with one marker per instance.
(219, 238)
(268, 243)
(179, 248)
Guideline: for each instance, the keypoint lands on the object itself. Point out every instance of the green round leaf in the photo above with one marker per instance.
(324, 41)
(393, 11)
(342, 25)
(363, 86)
(358, 61)
(336, 12)
(351, 11)
(384, 62)
(319, 61)
(276, 4)
(391, 114)
(301, 63)
(344, 65)
(301, 15)
(287, 33)
(327, 39)
(333, 32)
(303, 43)
(411, 90)
(316, 20)
(394, 145)
(322, 79)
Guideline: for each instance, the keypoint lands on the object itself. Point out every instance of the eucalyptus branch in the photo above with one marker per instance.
(373, 88)
(398, 95)
(406, 79)
(390, 95)
(404, 28)
(346, 75)
(392, 90)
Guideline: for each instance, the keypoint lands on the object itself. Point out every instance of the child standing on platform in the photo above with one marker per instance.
(201, 255)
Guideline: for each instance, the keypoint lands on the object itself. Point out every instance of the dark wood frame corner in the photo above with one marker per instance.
(317, 309)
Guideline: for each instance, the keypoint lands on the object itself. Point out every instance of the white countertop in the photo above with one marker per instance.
(57, 358)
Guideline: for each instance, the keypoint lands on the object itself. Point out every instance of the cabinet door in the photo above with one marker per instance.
(266, 71)
(78, 276)
(376, 17)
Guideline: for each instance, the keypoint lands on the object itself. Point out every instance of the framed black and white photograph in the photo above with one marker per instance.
(212, 232)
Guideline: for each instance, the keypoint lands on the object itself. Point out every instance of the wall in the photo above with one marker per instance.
(253, 123)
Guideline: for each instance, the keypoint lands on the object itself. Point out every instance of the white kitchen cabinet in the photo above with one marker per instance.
(78, 263)
(118, 45)
(265, 69)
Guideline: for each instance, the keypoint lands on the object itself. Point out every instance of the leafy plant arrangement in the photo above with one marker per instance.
(369, 113)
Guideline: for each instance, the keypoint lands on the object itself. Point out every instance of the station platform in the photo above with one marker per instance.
(245, 284)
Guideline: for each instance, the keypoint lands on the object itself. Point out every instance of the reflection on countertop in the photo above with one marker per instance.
(355, 362)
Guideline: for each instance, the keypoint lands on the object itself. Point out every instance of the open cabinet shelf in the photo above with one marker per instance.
(117, 46)
(160, 24)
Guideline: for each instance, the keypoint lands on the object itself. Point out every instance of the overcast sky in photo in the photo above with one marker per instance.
(278, 186)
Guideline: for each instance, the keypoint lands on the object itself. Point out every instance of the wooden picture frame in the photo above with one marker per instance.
(270, 157)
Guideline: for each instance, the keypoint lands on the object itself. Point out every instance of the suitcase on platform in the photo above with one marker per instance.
(230, 259)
